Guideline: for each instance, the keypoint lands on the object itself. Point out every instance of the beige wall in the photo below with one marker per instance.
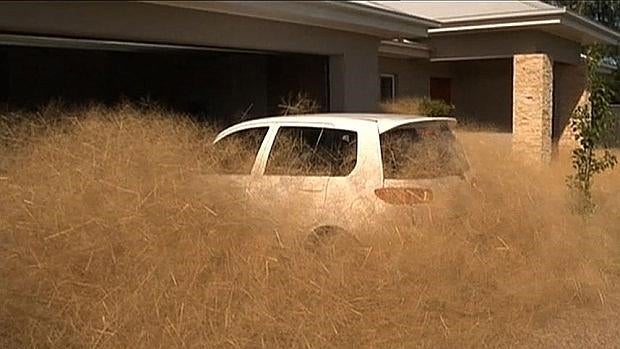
(482, 92)
(504, 44)
(353, 74)
(413, 74)
(569, 93)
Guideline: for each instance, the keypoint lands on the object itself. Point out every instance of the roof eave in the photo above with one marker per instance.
(592, 31)
(337, 15)
(582, 30)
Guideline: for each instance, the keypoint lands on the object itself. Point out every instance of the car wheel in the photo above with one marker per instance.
(330, 236)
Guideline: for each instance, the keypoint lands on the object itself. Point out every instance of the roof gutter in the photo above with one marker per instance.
(337, 15)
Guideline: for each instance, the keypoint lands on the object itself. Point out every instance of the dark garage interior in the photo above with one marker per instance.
(211, 85)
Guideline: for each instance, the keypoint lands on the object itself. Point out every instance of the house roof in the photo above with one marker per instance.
(476, 16)
(454, 11)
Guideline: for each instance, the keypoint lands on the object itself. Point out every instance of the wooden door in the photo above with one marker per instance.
(441, 89)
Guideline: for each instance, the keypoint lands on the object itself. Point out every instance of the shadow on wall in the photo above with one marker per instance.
(568, 93)
(215, 87)
(482, 93)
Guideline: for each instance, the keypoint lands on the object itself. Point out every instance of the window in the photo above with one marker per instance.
(236, 153)
(421, 152)
(388, 87)
(312, 151)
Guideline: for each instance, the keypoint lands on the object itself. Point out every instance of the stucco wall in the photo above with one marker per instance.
(505, 44)
(413, 74)
(353, 74)
(482, 92)
(569, 93)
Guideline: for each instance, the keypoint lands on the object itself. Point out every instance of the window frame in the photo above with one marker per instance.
(270, 141)
(257, 157)
(455, 143)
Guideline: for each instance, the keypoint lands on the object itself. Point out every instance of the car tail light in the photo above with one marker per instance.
(404, 196)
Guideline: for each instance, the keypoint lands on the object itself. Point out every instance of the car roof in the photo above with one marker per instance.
(384, 122)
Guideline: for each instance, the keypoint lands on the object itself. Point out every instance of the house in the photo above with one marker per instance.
(213, 56)
(515, 64)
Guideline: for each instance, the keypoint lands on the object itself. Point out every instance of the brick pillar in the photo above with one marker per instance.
(570, 93)
(532, 107)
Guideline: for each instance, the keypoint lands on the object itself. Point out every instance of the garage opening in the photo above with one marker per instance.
(214, 85)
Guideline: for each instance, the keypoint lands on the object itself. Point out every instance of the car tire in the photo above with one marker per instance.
(328, 236)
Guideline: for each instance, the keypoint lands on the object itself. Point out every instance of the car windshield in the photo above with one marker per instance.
(421, 152)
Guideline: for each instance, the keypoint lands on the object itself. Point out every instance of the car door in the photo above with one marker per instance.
(350, 194)
(234, 159)
(296, 171)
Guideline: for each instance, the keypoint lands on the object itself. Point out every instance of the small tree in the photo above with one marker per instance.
(591, 124)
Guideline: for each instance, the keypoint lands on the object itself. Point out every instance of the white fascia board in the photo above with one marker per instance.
(339, 15)
(492, 26)
(503, 16)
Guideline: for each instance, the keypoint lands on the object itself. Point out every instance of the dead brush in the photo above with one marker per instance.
(300, 103)
(111, 237)
(418, 106)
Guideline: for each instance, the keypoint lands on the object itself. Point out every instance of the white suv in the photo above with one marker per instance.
(342, 171)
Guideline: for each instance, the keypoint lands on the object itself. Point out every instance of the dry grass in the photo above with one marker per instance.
(418, 106)
(105, 241)
(427, 107)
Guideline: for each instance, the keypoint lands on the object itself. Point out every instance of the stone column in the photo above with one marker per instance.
(532, 106)
(570, 93)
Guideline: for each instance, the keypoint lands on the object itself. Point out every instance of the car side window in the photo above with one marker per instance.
(236, 153)
(312, 151)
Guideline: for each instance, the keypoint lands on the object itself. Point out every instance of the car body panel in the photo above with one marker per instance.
(348, 201)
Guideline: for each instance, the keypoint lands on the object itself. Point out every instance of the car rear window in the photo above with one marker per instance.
(421, 152)
(312, 151)
(236, 153)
